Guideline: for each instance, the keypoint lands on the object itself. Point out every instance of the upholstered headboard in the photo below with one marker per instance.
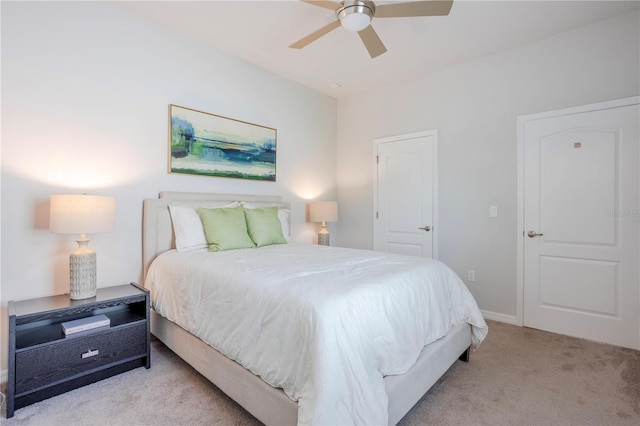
(157, 229)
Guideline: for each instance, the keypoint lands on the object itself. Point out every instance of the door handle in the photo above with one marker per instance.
(426, 228)
(532, 234)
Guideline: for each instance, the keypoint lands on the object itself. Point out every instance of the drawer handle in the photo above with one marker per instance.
(90, 353)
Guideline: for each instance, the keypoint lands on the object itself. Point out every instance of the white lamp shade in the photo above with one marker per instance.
(355, 22)
(81, 214)
(323, 211)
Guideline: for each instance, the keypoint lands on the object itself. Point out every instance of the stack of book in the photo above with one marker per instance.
(85, 324)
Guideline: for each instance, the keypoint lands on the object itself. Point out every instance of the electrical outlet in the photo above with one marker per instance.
(471, 276)
(493, 211)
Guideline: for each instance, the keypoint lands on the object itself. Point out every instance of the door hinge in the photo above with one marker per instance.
(376, 215)
(377, 159)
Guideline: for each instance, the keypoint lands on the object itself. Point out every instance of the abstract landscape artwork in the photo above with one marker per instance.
(211, 145)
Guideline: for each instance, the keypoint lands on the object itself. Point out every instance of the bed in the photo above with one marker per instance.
(246, 374)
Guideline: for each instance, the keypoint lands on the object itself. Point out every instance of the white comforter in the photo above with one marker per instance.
(325, 324)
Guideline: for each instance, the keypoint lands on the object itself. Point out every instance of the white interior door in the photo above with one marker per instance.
(581, 226)
(405, 194)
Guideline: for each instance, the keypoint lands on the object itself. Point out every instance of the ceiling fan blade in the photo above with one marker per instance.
(372, 42)
(315, 35)
(323, 3)
(416, 8)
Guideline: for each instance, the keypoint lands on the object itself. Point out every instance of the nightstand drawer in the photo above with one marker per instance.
(65, 358)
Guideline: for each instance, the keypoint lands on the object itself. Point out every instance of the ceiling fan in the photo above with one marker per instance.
(357, 15)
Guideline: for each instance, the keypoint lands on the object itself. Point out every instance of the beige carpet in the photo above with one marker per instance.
(518, 376)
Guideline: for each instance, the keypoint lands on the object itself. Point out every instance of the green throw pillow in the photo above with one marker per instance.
(225, 228)
(264, 226)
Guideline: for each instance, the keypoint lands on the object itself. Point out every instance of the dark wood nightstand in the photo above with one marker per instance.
(43, 362)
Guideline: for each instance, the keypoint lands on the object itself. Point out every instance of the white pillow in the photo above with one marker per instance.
(187, 227)
(283, 214)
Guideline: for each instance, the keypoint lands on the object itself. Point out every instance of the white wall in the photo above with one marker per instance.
(474, 106)
(86, 88)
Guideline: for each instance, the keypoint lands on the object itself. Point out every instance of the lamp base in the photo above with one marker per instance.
(82, 272)
(323, 235)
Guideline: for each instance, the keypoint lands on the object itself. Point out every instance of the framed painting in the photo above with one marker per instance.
(206, 144)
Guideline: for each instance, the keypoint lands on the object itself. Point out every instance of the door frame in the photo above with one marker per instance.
(522, 120)
(434, 224)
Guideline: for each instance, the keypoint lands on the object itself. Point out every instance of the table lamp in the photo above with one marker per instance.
(82, 214)
(323, 211)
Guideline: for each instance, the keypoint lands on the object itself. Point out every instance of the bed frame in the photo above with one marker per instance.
(268, 404)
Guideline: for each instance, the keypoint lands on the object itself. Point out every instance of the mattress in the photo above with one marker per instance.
(325, 324)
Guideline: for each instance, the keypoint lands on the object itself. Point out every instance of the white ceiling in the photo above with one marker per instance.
(260, 32)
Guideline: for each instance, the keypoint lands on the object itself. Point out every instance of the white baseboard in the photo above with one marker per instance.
(495, 316)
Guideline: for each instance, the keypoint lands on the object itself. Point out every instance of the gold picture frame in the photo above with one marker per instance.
(205, 144)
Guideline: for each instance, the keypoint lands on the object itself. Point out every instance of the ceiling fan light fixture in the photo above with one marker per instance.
(355, 15)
